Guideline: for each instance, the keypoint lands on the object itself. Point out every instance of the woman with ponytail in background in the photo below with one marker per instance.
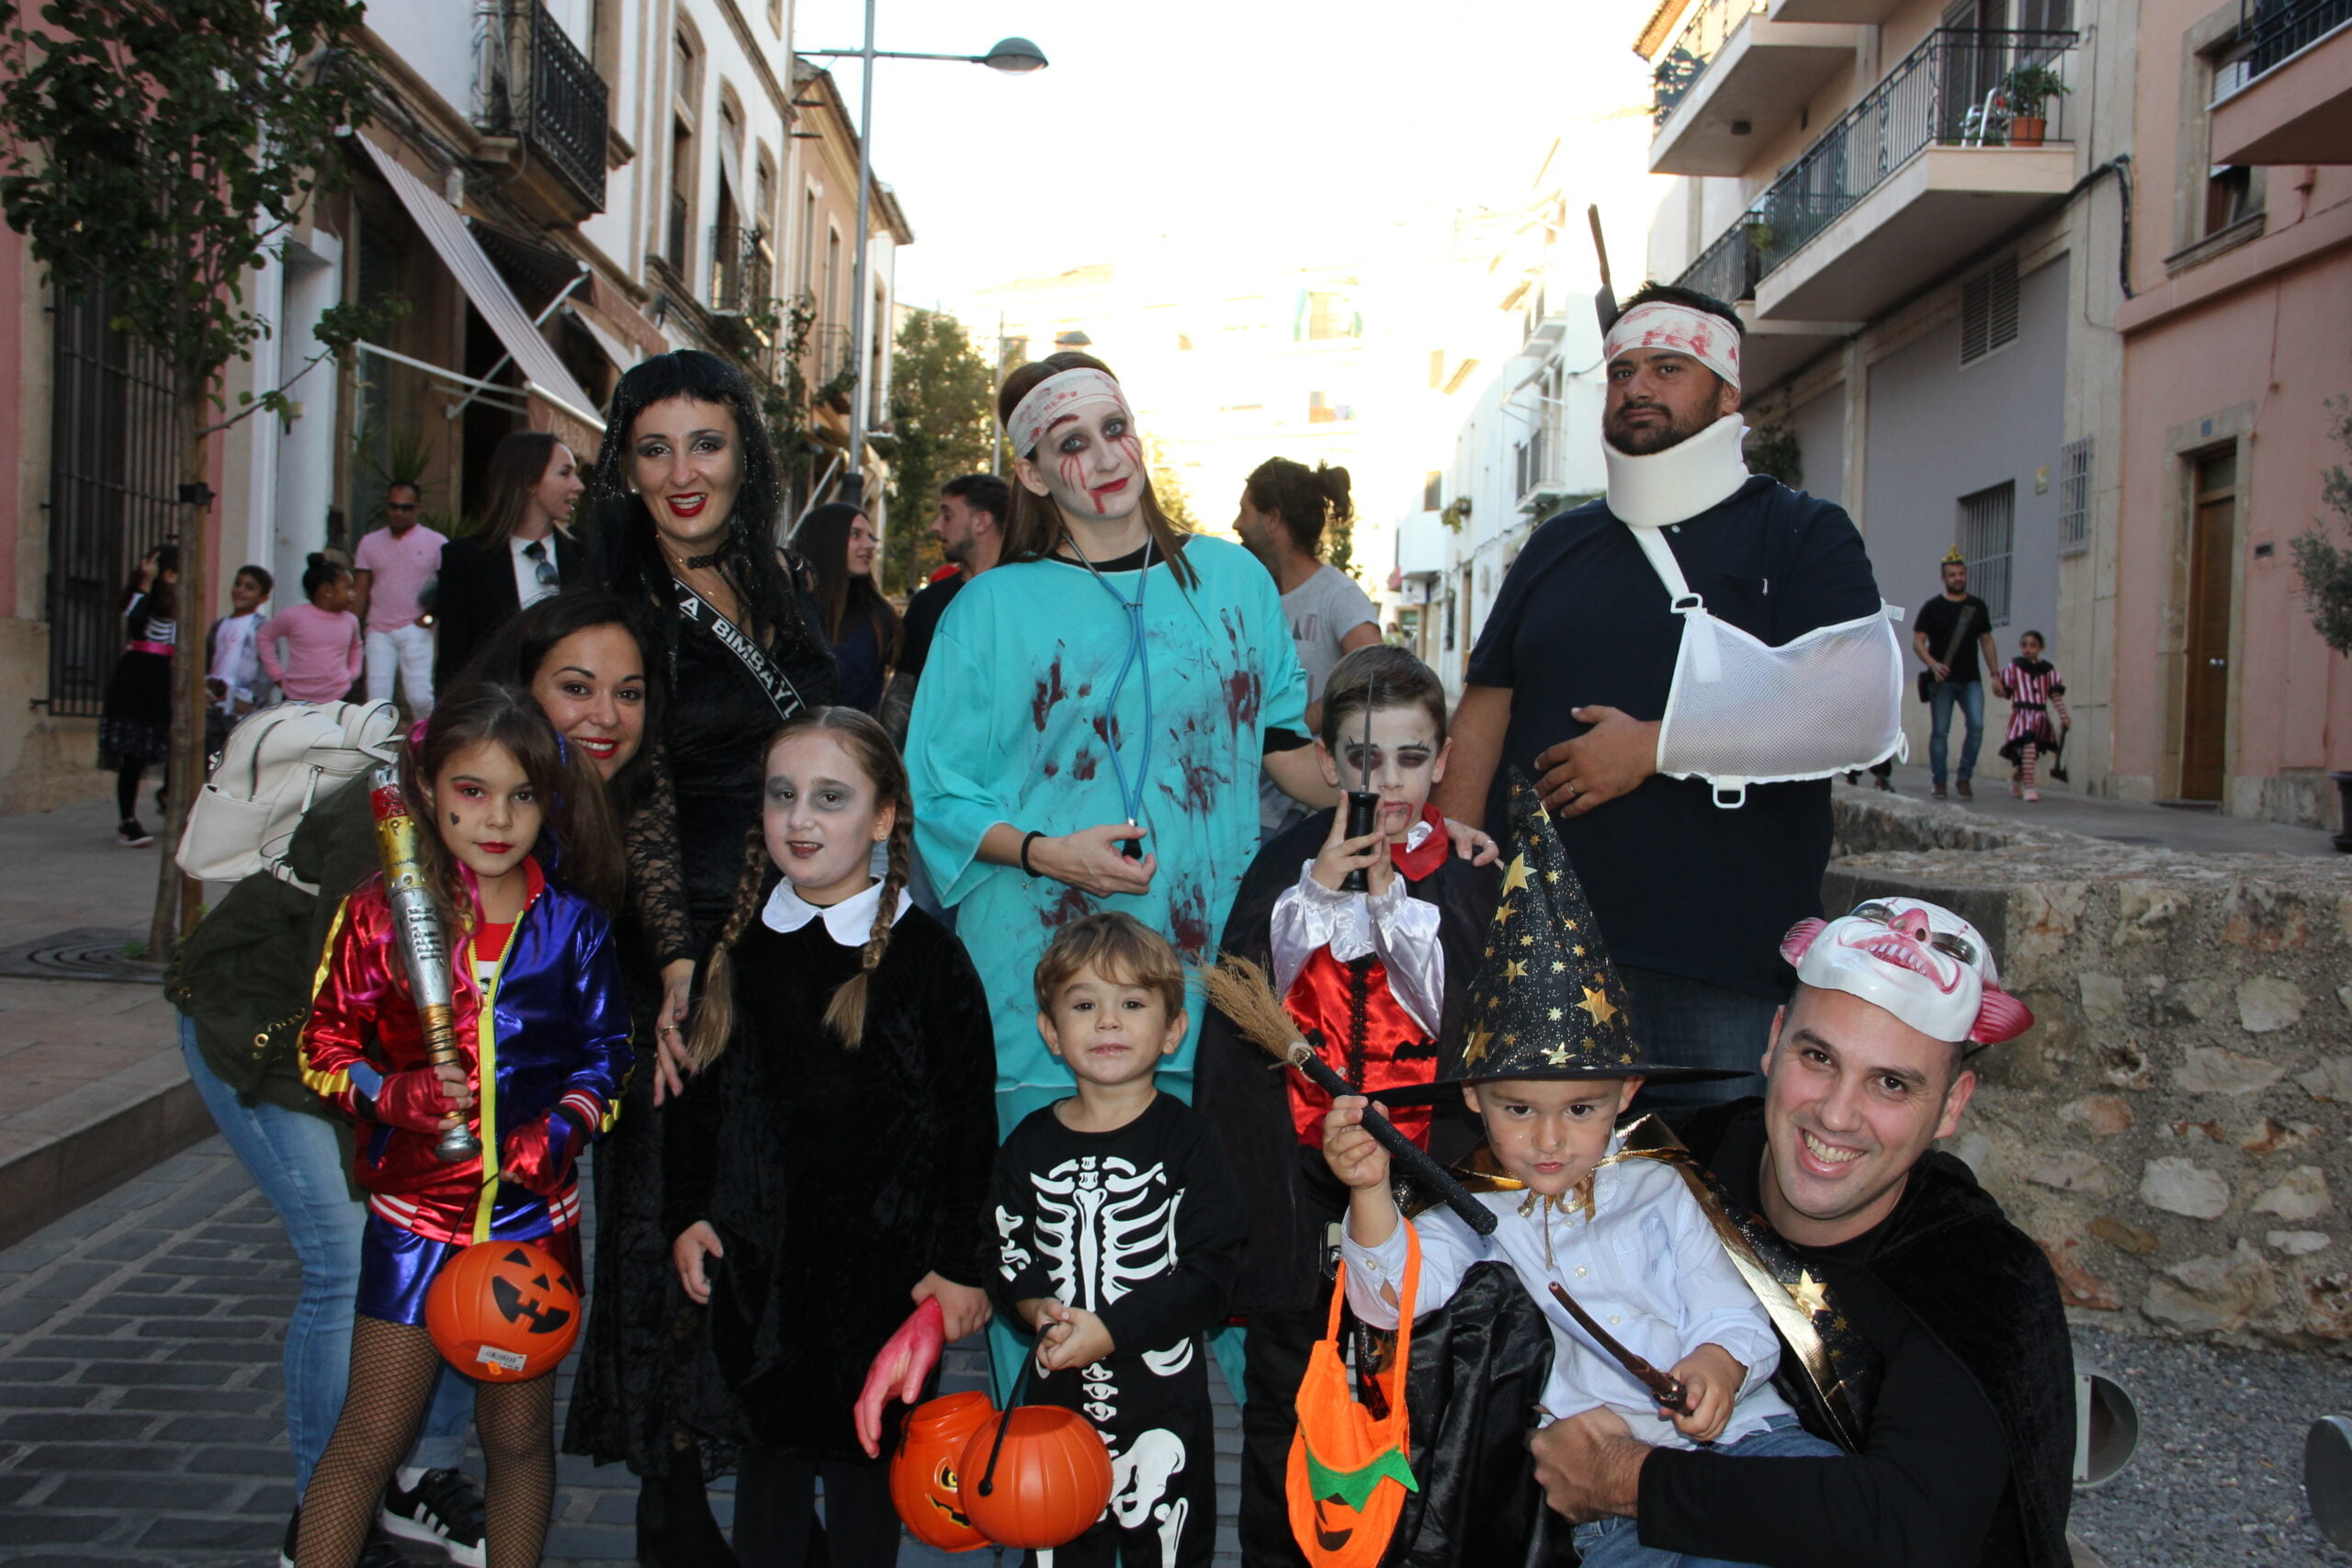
(1285, 507)
(833, 1155)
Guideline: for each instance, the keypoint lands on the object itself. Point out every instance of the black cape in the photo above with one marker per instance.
(1292, 1194)
(1987, 1293)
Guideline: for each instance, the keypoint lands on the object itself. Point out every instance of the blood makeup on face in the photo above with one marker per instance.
(1075, 455)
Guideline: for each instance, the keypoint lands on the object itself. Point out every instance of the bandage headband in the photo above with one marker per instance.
(1656, 323)
(1055, 395)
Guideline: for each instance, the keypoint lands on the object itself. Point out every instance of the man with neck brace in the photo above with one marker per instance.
(1681, 665)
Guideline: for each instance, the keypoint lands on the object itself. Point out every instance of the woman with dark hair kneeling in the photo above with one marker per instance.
(687, 498)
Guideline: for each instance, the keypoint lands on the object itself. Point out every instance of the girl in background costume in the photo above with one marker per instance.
(827, 1170)
(686, 496)
(324, 650)
(838, 543)
(135, 724)
(2033, 686)
(539, 1012)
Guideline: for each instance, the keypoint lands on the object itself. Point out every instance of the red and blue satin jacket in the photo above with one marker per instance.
(552, 1032)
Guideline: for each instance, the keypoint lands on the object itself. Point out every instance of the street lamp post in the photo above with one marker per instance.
(1016, 56)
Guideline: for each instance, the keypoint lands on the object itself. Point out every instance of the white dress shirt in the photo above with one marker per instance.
(1646, 1265)
(1401, 929)
(528, 589)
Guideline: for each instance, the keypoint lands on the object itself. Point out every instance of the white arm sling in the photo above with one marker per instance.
(1740, 712)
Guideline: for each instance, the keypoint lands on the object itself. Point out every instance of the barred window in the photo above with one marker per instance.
(2075, 496)
(1987, 537)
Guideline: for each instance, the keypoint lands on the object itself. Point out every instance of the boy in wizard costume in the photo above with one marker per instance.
(1548, 1061)
(1377, 980)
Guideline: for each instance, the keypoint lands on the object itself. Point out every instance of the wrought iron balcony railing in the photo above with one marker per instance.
(743, 272)
(1960, 88)
(535, 85)
(1694, 48)
(2278, 28)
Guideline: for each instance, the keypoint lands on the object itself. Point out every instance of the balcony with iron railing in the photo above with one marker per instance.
(1734, 80)
(743, 272)
(536, 86)
(2296, 104)
(1937, 160)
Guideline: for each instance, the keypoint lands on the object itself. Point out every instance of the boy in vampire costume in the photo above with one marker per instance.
(1925, 1333)
(1376, 979)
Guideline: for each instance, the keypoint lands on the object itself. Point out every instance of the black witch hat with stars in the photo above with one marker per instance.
(1545, 1002)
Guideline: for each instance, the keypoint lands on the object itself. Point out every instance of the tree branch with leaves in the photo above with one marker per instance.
(165, 152)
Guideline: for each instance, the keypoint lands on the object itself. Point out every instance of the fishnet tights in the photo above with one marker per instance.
(392, 1371)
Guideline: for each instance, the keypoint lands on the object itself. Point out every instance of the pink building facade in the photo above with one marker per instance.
(2239, 332)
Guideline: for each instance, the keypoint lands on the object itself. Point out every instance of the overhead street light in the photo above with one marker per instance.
(1016, 56)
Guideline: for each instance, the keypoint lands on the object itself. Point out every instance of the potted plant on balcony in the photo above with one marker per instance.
(2028, 90)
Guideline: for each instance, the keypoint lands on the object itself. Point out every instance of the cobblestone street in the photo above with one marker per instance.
(141, 1422)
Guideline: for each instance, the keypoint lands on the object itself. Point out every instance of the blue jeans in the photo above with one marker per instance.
(1616, 1542)
(296, 1161)
(1693, 1024)
(1969, 696)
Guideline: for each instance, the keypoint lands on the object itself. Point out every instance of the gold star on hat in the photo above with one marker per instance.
(1549, 1005)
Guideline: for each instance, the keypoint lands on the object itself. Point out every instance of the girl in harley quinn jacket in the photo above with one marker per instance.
(542, 1030)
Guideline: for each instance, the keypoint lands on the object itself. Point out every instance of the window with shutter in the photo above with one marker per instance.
(1988, 310)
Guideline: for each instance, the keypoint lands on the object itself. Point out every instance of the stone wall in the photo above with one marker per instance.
(2175, 1128)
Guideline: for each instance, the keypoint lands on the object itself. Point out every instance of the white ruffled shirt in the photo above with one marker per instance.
(849, 923)
(1646, 1265)
(1399, 927)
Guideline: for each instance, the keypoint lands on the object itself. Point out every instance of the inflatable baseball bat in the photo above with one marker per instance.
(425, 947)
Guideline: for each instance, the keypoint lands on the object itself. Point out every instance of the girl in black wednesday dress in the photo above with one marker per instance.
(828, 1168)
(135, 724)
(687, 498)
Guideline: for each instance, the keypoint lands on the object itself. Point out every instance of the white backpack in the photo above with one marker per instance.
(277, 764)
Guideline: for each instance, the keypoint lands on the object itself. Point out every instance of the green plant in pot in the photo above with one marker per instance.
(2028, 90)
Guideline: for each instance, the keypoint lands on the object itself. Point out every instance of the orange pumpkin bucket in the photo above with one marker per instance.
(1036, 1477)
(502, 1310)
(924, 1474)
(1350, 1470)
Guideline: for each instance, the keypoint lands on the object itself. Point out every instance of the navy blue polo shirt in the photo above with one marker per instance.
(1679, 884)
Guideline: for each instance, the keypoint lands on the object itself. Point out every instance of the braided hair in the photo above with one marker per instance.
(869, 747)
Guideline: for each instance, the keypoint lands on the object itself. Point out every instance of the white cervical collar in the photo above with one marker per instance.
(1681, 482)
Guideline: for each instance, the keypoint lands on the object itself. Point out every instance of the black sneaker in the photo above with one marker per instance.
(132, 836)
(378, 1550)
(443, 1509)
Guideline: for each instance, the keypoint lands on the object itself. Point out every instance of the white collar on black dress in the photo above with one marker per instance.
(849, 923)
(1685, 479)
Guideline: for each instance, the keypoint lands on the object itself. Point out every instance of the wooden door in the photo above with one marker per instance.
(2212, 534)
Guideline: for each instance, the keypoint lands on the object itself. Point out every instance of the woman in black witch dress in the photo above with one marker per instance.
(687, 499)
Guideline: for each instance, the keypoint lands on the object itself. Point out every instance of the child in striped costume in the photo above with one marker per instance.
(2034, 689)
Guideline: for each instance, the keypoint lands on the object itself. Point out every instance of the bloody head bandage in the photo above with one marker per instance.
(1705, 337)
(1918, 961)
(1056, 398)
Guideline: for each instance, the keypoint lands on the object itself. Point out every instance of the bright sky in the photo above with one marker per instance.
(1278, 123)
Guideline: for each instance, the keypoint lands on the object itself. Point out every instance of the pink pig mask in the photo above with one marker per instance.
(1918, 961)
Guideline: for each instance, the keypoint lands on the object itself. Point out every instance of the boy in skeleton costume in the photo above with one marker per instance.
(1119, 1229)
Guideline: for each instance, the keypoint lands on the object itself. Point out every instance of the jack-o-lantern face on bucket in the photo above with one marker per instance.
(503, 1311)
(923, 1470)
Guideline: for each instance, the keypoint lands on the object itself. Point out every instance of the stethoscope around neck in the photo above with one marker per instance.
(1138, 655)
